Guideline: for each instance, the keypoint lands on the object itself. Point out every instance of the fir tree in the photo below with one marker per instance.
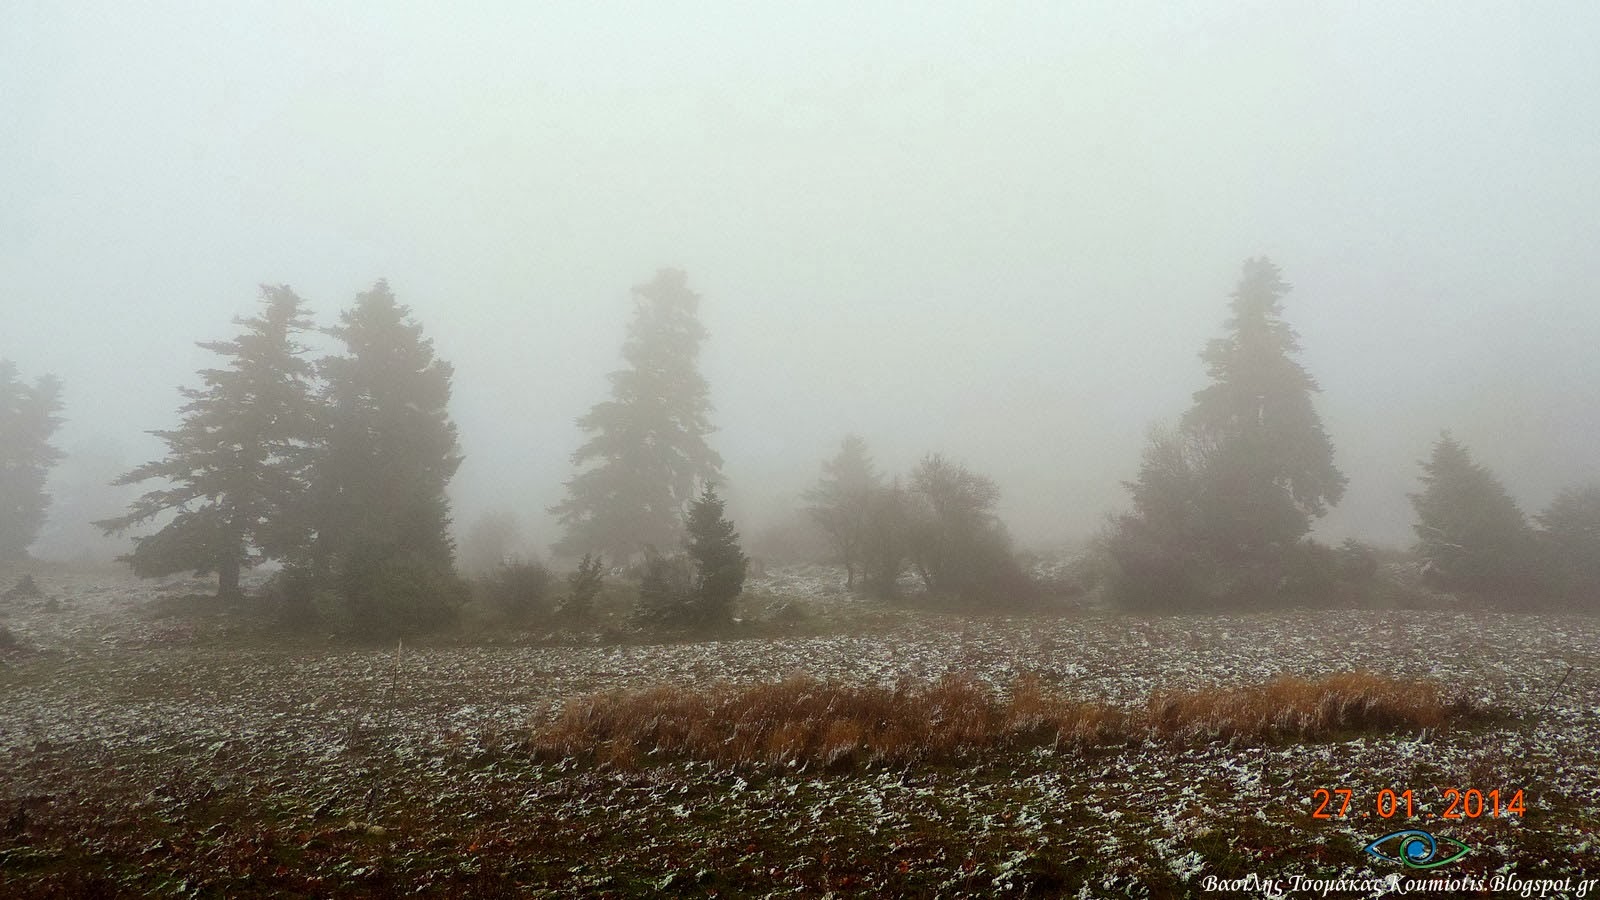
(378, 505)
(27, 421)
(719, 563)
(1222, 502)
(1569, 537)
(646, 450)
(236, 463)
(841, 503)
(1269, 463)
(1471, 534)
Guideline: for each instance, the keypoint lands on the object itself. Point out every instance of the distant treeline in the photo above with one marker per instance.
(336, 469)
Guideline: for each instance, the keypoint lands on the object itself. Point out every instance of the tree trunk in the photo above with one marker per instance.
(849, 576)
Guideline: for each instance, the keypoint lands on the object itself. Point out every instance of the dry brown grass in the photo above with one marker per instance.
(1305, 708)
(806, 721)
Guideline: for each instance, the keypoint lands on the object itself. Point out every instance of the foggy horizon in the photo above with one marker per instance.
(1001, 237)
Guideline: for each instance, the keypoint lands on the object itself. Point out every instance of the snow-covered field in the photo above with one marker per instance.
(184, 752)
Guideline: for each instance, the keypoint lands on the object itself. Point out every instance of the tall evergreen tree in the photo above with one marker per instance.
(236, 463)
(1569, 537)
(388, 452)
(27, 421)
(1269, 461)
(1222, 502)
(647, 449)
(1470, 532)
(841, 503)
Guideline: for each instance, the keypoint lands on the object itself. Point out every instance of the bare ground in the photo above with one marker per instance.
(150, 745)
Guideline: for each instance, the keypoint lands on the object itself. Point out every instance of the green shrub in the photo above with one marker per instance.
(399, 597)
(1310, 574)
(520, 592)
(585, 585)
(1356, 562)
(666, 593)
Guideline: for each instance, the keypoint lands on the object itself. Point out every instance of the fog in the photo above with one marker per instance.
(1004, 235)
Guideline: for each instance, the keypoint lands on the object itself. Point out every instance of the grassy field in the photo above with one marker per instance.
(149, 745)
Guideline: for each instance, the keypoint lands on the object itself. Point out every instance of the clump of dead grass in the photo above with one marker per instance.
(1303, 708)
(803, 721)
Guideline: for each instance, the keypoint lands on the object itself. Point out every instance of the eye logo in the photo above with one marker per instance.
(1417, 849)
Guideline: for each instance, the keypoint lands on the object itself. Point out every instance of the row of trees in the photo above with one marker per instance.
(1473, 537)
(335, 467)
(1223, 502)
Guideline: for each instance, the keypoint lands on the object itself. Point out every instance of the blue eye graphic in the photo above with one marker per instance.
(1417, 849)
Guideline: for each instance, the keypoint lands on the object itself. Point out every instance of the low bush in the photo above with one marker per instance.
(519, 592)
(397, 597)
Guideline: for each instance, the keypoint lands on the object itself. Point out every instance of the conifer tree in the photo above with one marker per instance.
(1471, 534)
(1569, 535)
(378, 506)
(719, 563)
(1270, 466)
(27, 421)
(647, 449)
(1222, 502)
(841, 503)
(236, 463)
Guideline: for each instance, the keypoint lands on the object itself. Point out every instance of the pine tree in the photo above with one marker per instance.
(27, 421)
(236, 463)
(719, 563)
(378, 505)
(841, 503)
(1269, 462)
(1222, 502)
(647, 448)
(1471, 534)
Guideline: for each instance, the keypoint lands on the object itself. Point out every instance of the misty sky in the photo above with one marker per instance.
(1003, 232)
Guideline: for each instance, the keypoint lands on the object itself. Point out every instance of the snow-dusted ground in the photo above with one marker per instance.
(120, 730)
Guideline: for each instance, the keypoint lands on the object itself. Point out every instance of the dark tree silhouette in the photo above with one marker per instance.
(955, 542)
(1470, 533)
(1569, 538)
(236, 463)
(27, 421)
(1221, 503)
(377, 506)
(719, 563)
(646, 450)
(841, 503)
(1270, 464)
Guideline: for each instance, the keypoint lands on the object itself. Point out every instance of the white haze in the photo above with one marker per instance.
(1002, 232)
